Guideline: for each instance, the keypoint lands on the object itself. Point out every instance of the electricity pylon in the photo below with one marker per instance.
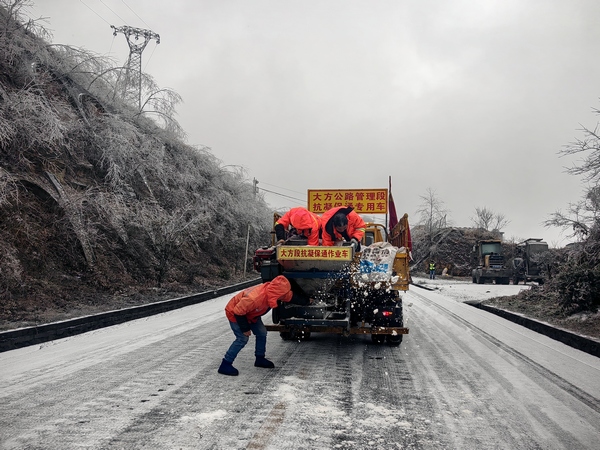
(133, 69)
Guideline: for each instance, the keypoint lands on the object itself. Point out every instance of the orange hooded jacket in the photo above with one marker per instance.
(257, 300)
(356, 226)
(306, 224)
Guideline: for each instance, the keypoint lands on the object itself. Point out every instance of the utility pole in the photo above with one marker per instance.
(255, 191)
(134, 62)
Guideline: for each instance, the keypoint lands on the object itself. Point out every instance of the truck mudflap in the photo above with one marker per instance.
(300, 329)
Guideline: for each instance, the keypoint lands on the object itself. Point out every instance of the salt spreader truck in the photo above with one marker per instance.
(355, 292)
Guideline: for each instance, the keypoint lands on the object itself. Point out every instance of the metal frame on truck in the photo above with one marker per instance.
(347, 301)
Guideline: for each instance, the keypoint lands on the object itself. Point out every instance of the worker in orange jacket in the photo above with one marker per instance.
(305, 224)
(342, 224)
(244, 313)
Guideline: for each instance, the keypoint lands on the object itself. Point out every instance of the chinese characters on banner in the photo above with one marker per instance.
(372, 201)
(330, 253)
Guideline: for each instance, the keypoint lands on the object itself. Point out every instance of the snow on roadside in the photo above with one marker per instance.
(465, 291)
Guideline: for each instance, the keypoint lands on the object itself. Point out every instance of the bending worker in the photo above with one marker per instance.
(244, 313)
(342, 224)
(304, 224)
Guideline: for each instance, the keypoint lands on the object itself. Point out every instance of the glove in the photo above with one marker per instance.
(356, 244)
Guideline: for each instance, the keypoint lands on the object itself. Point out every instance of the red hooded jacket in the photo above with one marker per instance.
(257, 300)
(356, 226)
(306, 224)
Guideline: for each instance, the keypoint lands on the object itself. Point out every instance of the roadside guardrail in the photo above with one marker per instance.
(23, 337)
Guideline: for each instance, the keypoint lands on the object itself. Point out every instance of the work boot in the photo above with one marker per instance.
(261, 361)
(226, 368)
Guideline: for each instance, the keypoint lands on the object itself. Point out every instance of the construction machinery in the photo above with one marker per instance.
(353, 293)
(490, 264)
(527, 265)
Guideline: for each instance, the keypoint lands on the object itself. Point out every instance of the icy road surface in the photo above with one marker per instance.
(462, 379)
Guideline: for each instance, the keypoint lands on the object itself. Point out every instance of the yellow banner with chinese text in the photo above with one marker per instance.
(364, 201)
(286, 252)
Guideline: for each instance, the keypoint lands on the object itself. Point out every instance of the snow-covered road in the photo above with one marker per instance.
(462, 379)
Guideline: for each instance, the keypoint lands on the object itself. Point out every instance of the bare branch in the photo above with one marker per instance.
(487, 219)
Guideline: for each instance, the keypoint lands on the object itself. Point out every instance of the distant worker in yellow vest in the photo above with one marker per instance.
(431, 270)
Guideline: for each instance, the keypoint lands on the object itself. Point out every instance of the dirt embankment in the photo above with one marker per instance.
(45, 302)
(535, 305)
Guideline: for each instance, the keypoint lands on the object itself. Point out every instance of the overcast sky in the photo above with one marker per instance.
(473, 99)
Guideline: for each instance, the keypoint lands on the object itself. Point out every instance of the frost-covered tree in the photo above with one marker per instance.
(432, 213)
(489, 220)
(584, 214)
(433, 216)
(578, 277)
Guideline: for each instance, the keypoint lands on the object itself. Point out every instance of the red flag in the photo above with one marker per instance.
(408, 239)
(393, 215)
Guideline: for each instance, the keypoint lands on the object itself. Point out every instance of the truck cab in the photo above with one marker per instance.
(490, 264)
(526, 264)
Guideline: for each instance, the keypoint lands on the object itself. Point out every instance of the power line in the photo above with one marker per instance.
(111, 44)
(282, 188)
(128, 7)
(153, 49)
(113, 11)
(88, 7)
(135, 13)
(281, 195)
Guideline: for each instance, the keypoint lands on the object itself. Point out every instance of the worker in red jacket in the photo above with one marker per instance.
(342, 224)
(244, 313)
(305, 224)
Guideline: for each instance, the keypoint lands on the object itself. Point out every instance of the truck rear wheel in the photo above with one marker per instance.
(295, 335)
(378, 338)
(286, 335)
(303, 335)
(394, 340)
